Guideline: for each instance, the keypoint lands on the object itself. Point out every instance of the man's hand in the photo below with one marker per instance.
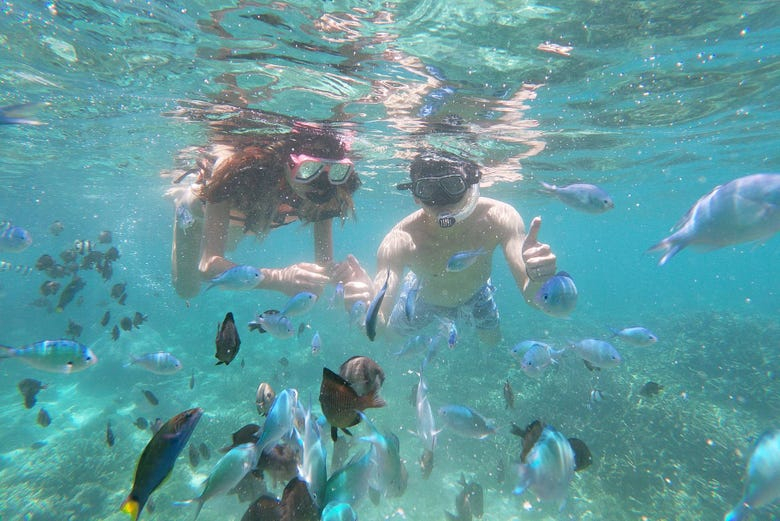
(538, 257)
(358, 285)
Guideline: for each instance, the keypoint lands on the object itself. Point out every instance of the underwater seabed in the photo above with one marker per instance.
(678, 456)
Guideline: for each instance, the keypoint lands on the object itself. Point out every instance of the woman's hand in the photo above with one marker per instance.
(303, 276)
(540, 261)
(358, 285)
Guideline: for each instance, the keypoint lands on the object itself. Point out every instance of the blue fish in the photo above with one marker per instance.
(273, 322)
(14, 239)
(548, 468)
(410, 304)
(557, 296)
(237, 278)
(463, 259)
(466, 421)
(53, 356)
(316, 343)
(357, 314)
(743, 210)
(349, 484)
(638, 336)
(373, 310)
(585, 197)
(762, 477)
(16, 114)
(597, 353)
(162, 363)
(299, 304)
(538, 357)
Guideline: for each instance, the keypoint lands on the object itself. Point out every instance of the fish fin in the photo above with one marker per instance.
(131, 506)
(334, 434)
(590, 366)
(668, 247)
(346, 431)
(547, 188)
(220, 362)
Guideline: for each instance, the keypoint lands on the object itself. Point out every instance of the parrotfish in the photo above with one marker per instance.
(464, 259)
(762, 477)
(557, 296)
(53, 356)
(466, 421)
(13, 239)
(237, 278)
(158, 458)
(743, 210)
(162, 363)
(581, 196)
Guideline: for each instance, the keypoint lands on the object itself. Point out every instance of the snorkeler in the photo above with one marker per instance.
(448, 246)
(252, 184)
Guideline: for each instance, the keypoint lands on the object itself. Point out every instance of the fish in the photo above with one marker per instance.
(638, 336)
(389, 476)
(337, 299)
(122, 298)
(464, 259)
(115, 333)
(357, 314)
(139, 318)
(73, 330)
(156, 425)
(141, 423)
(413, 345)
(106, 317)
(469, 502)
(349, 484)
(466, 422)
(105, 237)
(44, 262)
(538, 357)
(192, 379)
(340, 402)
(597, 353)
(299, 304)
(53, 356)
(280, 421)
(184, 217)
(363, 374)
(746, 209)
(509, 396)
(249, 433)
(650, 389)
(56, 228)
(110, 439)
(161, 362)
(49, 287)
(558, 295)
(239, 277)
(548, 467)
(316, 343)
(226, 474)
(762, 477)
(581, 196)
(194, 456)
(44, 420)
(410, 301)
(372, 313)
(264, 398)
(426, 426)
(14, 239)
(29, 388)
(279, 462)
(204, 450)
(338, 511)
(150, 397)
(118, 289)
(313, 468)
(69, 292)
(112, 254)
(273, 322)
(17, 114)
(126, 323)
(158, 458)
(227, 340)
(296, 504)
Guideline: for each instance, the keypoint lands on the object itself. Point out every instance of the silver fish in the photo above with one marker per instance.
(373, 310)
(548, 468)
(466, 421)
(597, 353)
(743, 210)
(557, 296)
(237, 278)
(762, 477)
(586, 197)
(638, 336)
(162, 363)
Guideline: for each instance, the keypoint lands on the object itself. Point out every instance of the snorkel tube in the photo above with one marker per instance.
(450, 219)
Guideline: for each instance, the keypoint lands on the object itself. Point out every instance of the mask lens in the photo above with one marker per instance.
(339, 172)
(453, 184)
(426, 188)
(308, 170)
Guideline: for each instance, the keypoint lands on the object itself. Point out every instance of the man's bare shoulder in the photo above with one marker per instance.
(499, 212)
(401, 238)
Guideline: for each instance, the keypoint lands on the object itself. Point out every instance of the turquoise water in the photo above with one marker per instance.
(657, 102)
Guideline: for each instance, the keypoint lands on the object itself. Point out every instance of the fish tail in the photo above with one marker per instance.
(739, 513)
(6, 352)
(669, 246)
(548, 188)
(131, 506)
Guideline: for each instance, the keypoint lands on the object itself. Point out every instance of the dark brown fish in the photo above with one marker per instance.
(297, 503)
(279, 462)
(117, 290)
(44, 262)
(204, 450)
(112, 254)
(105, 237)
(115, 332)
(509, 396)
(69, 255)
(192, 380)
(265, 508)
(141, 422)
(91, 259)
(530, 435)
(363, 374)
(227, 340)
(126, 323)
(284, 362)
(29, 388)
(150, 397)
(109, 435)
(44, 420)
(105, 319)
(158, 458)
(50, 287)
(194, 456)
(469, 501)
(249, 433)
(651, 389)
(106, 269)
(139, 318)
(73, 330)
(57, 271)
(340, 402)
(426, 463)
(582, 456)
(73, 287)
